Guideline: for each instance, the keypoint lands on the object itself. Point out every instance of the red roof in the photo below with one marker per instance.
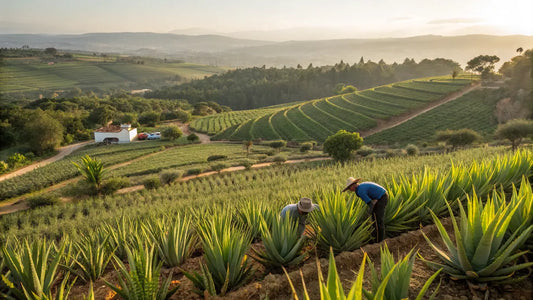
(109, 128)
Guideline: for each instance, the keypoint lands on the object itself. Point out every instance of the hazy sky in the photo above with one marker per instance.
(338, 18)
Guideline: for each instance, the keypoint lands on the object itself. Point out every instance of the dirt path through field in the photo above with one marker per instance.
(397, 120)
(63, 151)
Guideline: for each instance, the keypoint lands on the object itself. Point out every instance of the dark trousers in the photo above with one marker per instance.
(378, 216)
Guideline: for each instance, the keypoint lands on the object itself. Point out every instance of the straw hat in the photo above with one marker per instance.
(351, 181)
(305, 205)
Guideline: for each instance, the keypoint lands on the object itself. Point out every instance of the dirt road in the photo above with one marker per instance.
(397, 120)
(63, 151)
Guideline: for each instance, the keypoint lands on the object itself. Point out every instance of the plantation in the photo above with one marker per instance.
(33, 75)
(474, 110)
(318, 119)
(218, 217)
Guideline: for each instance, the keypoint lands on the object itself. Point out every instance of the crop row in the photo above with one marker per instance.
(318, 119)
(474, 110)
(230, 224)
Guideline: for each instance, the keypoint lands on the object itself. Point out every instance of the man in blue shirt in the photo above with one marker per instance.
(376, 197)
(298, 212)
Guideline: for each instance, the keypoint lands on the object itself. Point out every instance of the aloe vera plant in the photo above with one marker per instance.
(331, 289)
(92, 257)
(174, 240)
(33, 271)
(482, 252)
(142, 279)
(283, 243)
(399, 276)
(226, 266)
(340, 223)
(522, 199)
(250, 216)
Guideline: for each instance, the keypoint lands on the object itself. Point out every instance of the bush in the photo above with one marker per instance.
(114, 184)
(341, 145)
(412, 150)
(279, 159)
(194, 171)
(365, 151)
(167, 177)
(259, 156)
(152, 182)
(192, 137)
(219, 167)
(42, 200)
(171, 132)
(80, 188)
(247, 164)
(15, 160)
(458, 138)
(3, 166)
(304, 147)
(278, 144)
(216, 157)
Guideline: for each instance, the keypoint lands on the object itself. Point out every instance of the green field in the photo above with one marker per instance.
(41, 75)
(318, 119)
(474, 110)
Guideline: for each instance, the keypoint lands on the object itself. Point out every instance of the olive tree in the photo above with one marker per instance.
(341, 145)
(515, 131)
(458, 138)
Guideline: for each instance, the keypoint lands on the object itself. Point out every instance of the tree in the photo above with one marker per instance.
(92, 170)
(458, 138)
(520, 50)
(278, 145)
(483, 64)
(50, 51)
(150, 118)
(171, 132)
(43, 133)
(248, 146)
(192, 137)
(341, 145)
(102, 115)
(454, 74)
(515, 131)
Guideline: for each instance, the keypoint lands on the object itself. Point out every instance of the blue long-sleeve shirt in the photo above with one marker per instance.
(369, 191)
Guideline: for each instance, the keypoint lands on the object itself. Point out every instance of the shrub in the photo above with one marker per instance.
(216, 157)
(3, 166)
(247, 163)
(152, 182)
(170, 176)
(15, 160)
(458, 138)
(42, 200)
(114, 184)
(192, 137)
(515, 131)
(171, 132)
(278, 144)
(259, 156)
(340, 145)
(194, 171)
(365, 151)
(304, 147)
(279, 159)
(412, 150)
(218, 167)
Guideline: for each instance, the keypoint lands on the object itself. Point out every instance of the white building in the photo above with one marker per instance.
(115, 134)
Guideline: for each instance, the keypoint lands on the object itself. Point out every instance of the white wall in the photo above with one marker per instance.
(124, 136)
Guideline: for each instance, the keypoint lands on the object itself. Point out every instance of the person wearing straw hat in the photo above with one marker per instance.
(299, 212)
(376, 197)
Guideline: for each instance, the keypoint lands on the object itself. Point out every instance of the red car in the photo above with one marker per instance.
(142, 136)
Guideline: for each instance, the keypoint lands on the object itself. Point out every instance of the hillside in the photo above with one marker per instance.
(44, 74)
(320, 118)
(225, 51)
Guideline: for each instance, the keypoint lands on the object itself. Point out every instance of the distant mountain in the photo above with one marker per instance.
(227, 51)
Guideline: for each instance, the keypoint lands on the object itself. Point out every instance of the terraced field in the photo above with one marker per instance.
(318, 119)
(217, 123)
(474, 110)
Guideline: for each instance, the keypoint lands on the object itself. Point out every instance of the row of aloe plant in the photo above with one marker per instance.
(390, 282)
(340, 223)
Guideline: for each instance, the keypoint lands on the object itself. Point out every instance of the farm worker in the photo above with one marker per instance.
(299, 211)
(376, 197)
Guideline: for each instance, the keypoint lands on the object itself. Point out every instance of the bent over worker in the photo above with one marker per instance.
(299, 211)
(376, 197)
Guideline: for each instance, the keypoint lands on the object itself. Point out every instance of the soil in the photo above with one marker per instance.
(274, 284)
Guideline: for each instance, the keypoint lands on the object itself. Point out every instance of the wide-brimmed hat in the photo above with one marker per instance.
(351, 181)
(306, 205)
